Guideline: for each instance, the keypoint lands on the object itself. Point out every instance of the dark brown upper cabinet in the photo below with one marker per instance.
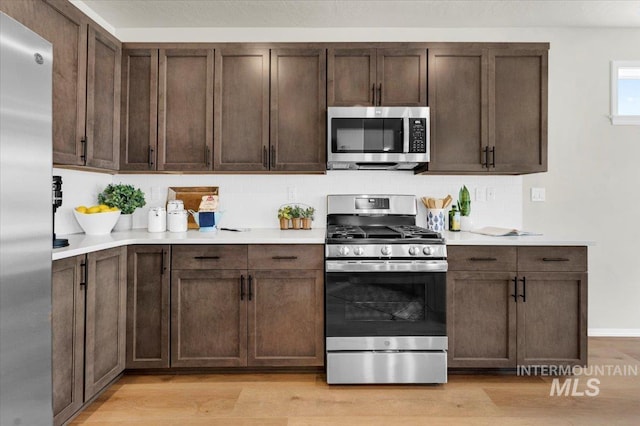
(270, 109)
(298, 110)
(458, 101)
(377, 76)
(86, 75)
(185, 109)
(139, 110)
(488, 110)
(518, 110)
(241, 110)
(103, 100)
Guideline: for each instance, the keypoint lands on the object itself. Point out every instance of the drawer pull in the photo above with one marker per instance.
(483, 259)
(207, 257)
(524, 289)
(284, 257)
(250, 287)
(555, 259)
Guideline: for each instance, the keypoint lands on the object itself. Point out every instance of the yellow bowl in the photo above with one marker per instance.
(97, 223)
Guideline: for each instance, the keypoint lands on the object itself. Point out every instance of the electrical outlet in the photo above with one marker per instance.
(538, 194)
(491, 193)
(291, 193)
(481, 194)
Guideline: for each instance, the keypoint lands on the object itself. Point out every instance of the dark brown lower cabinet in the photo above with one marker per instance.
(87, 320)
(502, 312)
(148, 275)
(208, 318)
(105, 334)
(272, 316)
(286, 318)
(67, 323)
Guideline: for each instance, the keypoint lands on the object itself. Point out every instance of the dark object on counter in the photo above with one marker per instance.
(57, 202)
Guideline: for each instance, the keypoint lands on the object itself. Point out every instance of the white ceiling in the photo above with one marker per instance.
(360, 13)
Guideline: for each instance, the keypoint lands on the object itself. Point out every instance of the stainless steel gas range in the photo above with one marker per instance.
(385, 293)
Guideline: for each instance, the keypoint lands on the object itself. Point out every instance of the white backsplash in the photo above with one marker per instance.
(252, 200)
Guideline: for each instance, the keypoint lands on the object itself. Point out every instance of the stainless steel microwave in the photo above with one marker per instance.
(377, 138)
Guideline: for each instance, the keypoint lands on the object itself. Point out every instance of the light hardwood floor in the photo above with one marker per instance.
(305, 399)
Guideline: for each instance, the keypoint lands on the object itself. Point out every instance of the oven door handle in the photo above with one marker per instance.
(386, 266)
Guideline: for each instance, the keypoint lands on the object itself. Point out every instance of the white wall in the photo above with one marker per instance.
(593, 166)
(253, 200)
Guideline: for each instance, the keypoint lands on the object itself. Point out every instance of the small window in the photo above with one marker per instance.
(625, 92)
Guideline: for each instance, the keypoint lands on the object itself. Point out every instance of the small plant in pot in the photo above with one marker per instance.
(284, 215)
(307, 217)
(127, 198)
(464, 203)
(296, 217)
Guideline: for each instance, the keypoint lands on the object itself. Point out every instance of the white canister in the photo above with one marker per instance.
(157, 219)
(177, 220)
(175, 205)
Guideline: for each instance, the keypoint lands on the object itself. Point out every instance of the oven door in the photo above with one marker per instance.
(386, 298)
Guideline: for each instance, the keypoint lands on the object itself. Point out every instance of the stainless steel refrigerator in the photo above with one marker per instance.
(25, 225)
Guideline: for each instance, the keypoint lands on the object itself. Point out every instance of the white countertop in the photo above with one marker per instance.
(471, 239)
(81, 243)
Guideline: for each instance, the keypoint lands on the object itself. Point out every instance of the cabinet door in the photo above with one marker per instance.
(105, 318)
(481, 319)
(65, 27)
(458, 107)
(185, 109)
(552, 318)
(103, 99)
(208, 318)
(139, 111)
(518, 110)
(241, 110)
(148, 277)
(402, 77)
(286, 325)
(67, 323)
(351, 77)
(298, 110)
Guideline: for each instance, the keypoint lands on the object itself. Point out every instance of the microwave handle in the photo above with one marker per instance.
(405, 134)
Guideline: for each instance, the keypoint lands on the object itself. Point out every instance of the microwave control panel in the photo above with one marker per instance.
(417, 135)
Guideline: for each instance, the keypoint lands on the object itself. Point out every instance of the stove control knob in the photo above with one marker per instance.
(358, 251)
(427, 250)
(343, 250)
(386, 250)
(414, 251)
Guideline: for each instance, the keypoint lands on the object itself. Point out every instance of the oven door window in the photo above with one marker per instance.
(366, 135)
(385, 304)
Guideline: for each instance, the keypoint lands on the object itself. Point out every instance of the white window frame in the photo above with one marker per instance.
(616, 118)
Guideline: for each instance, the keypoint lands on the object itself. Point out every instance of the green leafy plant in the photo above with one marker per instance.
(464, 201)
(308, 213)
(125, 197)
(296, 212)
(284, 212)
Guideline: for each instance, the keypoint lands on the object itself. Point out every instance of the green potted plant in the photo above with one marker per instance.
(296, 217)
(307, 217)
(464, 203)
(284, 215)
(127, 198)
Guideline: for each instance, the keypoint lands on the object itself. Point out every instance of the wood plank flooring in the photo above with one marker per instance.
(287, 399)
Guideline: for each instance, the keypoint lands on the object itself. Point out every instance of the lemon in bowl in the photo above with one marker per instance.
(96, 220)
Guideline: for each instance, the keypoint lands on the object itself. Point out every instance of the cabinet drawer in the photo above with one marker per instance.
(481, 258)
(288, 256)
(209, 257)
(551, 259)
